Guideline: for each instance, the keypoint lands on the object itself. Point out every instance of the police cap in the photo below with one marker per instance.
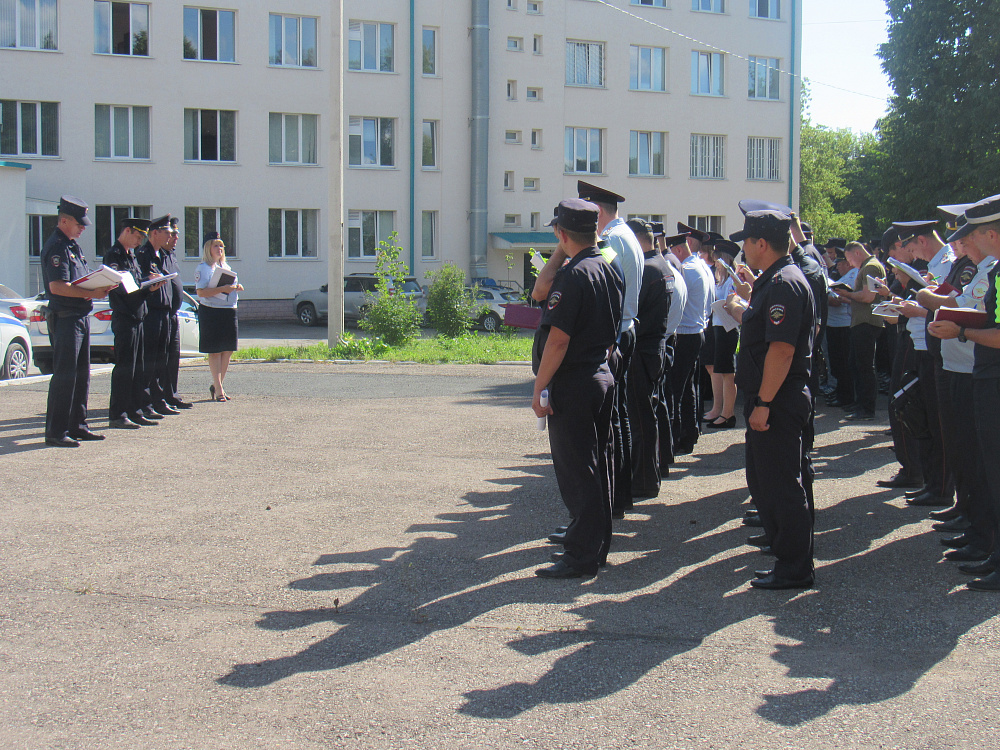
(141, 225)
(985, 211)
(889, 238)
(765, 225)
(212, 236)
(575, 215)
(687, 231)
(76, 208)
(836, 242)
(910, 229)
(640, 228)
(749, 204)
(588, 192)
(160, 222)
(726, 247)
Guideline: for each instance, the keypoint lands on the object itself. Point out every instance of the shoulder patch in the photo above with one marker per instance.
(554, 299)
(979, 290)
(56, 260)
(776, 314)
(967, 275)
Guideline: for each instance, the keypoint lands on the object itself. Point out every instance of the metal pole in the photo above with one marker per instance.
(335, 208)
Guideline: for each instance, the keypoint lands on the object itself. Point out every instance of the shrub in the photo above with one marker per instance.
(392, 316)
(450, 306)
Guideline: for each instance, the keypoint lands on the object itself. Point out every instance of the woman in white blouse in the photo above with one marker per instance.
(218, 291)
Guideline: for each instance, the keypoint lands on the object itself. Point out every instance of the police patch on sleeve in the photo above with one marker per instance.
(776, 314)
(56, 260)
(979, 290)
(554, 299)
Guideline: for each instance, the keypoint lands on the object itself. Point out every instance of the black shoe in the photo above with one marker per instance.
(771, 581)
(62, 442)
(725, 424)
(557, 538)
(840, 403)
(561, 529)
(915, 491)
(860, 416)
(928, 499)
(754, 522)
(556, 556)
(983, 568)
(85, 435)
(560, 570)
(123, 424)
(989, 583)
(141, 420)
(751, 512)
(956, 542)
(948, 514)
(955, 524)
(767, 551)
(151, 414)
(763, 573)
(759, 541)
(166, 409)
(901, 479)
(618, 515)
(968, 553)
(683, 449)
(180, 404)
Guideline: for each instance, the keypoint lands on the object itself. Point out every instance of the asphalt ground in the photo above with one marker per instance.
(343, 556)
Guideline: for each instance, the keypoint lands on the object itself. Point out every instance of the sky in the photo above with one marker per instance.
(839, 43)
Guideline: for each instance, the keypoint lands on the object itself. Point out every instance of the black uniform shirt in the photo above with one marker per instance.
(808, 260)
(62, 260)
(585, 302)
(781, 309)
(169, 265)
(129, 306)
(654, 304)
(987, 362)
(151, 261)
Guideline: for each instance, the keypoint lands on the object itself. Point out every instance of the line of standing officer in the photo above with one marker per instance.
(171, 395)
(156, 324)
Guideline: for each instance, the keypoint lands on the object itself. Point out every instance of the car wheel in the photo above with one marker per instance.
(492, 323)
(15, 362)
(307, 314)
(44, 366)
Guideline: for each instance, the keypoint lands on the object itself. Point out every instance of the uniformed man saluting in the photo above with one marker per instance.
(69, 327)
(772, 370)
(580, 324)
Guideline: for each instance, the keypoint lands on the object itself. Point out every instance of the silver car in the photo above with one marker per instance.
(15, 343)
(313, 306)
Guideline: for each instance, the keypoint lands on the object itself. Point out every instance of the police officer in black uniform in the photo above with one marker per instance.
(127, 313)
(156, 324)
(773, 371)
(580, 324)
(69, 327)
(170, 265)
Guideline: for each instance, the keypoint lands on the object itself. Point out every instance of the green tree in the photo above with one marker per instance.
(825, 154)
(391, 314)
(450, 306)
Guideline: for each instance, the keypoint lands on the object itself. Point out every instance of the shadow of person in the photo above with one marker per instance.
(22, 434)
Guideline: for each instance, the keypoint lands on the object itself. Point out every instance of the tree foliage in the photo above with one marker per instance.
(391, 315)
(450, 306)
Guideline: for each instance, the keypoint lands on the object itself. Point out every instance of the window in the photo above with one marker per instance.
(515, 44)
(584, 63)
(121, 28)
(29, 24)
(533, 94)
(647, 69)
(765, 77)
(512, 220)
(536, 138)
(199, 221)
(763, 159)
(647, 217)
(512, 91)
(531, 183)
(209, 135)
(708, 156)
(535, 220)
(709, 6)
(40, 228)
(292, 139)
(210, 35)
(370, 142)
(430, 51)
(651, 3)
(508, 180)
(292, 233)
(365, 229)
(292, 41)
(765, 9)
(512, 136)
(430, 145)
(707, 73)
(107, 223)
(428, 234)
(534, 8)
(583, 151)
(370, 46)
(511, 4)
(29, 128)
(706, 223)
(121, 132)
(646, 153)
(536, 44)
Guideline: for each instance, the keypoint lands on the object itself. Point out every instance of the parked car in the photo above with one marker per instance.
(102, 338)
(20, 307)
(313, 306)
(491, 302)
(15, 343)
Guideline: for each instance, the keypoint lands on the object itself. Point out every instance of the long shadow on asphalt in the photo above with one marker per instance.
(22, 434)
(880, 617)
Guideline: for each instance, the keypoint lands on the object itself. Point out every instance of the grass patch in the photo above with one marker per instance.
(471, 349)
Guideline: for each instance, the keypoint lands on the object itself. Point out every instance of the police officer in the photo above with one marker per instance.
(170, 265)
(69, 327)
(773, 371)
(666, 409)
(127, 313)
(581, 321)
(156, 324)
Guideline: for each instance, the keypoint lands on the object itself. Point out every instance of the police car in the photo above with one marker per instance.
(15, 343)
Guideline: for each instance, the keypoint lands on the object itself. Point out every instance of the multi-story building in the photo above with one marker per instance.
(461, 142)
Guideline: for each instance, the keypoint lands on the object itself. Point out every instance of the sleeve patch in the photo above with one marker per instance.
(56, 260)
(979, 290)
(554, 299)
(776, 314)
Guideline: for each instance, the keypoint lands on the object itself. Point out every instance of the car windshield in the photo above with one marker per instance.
(510, 296)
(8, 293)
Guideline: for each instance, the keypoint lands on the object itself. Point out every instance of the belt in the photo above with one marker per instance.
(67, 313)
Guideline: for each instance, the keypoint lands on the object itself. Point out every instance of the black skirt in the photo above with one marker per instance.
(725, 349)
(217, 329)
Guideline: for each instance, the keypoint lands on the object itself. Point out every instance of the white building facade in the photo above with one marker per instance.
(220, 116)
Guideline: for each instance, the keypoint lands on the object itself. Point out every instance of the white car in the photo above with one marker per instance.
(491, 302)
(15, 343)
(20, 307)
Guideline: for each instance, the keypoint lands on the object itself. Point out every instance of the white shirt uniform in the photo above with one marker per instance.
(959, 357)
(938, 267)
(626, 247)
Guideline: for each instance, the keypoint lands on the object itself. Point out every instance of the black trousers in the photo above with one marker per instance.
(686, 383)
(666, 408)
(938, 476)
(779, 478)
(643, 401)
(173, 359)
(580, 441)
(906, 447)
(156, 336)
(838, 344)
(127, 376)
(621, 428)
(69, 388)
(863, 338)
(986, 398)
(961, 449)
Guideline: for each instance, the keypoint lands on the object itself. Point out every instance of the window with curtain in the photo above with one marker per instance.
(647, 153)
(584, 63)
(371, 46)
(107, 223)
(428, 234)
(583, 151)
(365, 229)
(765, 78)
(647, 68)
(292, 139)
(429, 152)
(292, 41)
(121, 132)
(292, 232)
(199, 221)
(29, 128)
(29, 24)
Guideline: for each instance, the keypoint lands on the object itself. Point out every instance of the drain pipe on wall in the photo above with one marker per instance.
(480, 122)
(413, 137)
(794, 94)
